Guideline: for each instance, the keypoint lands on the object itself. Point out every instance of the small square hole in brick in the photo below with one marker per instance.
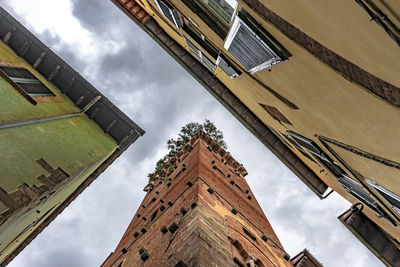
(138, 215)
(157, 192)
(229, 176)
(162, 201)
(232, 182)
(144, 256)
(247, 191)
(180, 264)
(143, 206)
(170, 203)
(162, 208)
(210, 190)
(194, 204)
(169, 184)
(249, 197)
(264, 237)
(124, 250)
(183, 211)
(286, 256)
(234, 211)
(141, 250)
(214, 167)
(144, 218)
(135, 234)
(173, 227)
(190, 184)
(143, 230)
(164, 230)
(213, 162)
(153, 199)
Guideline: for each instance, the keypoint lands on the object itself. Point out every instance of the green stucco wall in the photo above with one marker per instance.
(77, 145)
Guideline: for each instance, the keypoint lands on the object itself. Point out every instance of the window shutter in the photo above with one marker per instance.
(249, 49)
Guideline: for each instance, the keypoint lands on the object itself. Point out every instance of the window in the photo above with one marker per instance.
(191, 30)
(169, 12)
(247, 45)
(200, 56)
(358, 192)
(391, 197)
(217, 14)
(221, 60)
(26, 81)
(227, 67)
(315, 150)
(310, 146)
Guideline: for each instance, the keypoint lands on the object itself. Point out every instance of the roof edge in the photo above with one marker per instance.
(65, 78)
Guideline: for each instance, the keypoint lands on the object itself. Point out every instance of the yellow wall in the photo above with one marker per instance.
(329, 105)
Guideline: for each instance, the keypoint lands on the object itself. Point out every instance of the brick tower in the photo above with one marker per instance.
(199, 211)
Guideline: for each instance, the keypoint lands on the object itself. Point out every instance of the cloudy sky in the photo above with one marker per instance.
(121, 61)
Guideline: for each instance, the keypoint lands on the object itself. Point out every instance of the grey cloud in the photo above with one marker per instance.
(148, 85)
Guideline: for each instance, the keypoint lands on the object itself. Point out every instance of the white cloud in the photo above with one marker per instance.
(160, 96)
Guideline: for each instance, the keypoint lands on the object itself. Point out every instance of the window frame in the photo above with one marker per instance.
(385, 193)
(207, 14)
(177, 20)
(16, 81)
(240, 21)
(199, 55)
(360, 194)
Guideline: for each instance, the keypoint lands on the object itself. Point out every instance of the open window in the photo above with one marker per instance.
(200, 56)
(391, 197)
(217, 14)
(26, 81)
(315, 150)
(358, 192)
(253, 47)
(169, 12)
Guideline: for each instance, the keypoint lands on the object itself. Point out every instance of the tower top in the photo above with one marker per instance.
(212, 145)
(199, 211)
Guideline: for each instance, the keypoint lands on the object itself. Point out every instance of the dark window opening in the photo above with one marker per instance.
(247, 232)
(200, 39)
(216, 14)
(153, 216)
(26, 81)
(180, 264)
(238, 262)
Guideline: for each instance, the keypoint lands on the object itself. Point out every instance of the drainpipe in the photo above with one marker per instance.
(7, 125)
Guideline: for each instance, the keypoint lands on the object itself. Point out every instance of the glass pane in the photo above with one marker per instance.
(211, 17)
(17, 72)
(222, 8)
(36, 89)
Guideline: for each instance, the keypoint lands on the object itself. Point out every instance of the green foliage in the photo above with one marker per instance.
(186, 133)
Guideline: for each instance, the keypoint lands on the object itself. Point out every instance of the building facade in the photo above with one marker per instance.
(57, 134)
(200, 211)
(318, 84)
